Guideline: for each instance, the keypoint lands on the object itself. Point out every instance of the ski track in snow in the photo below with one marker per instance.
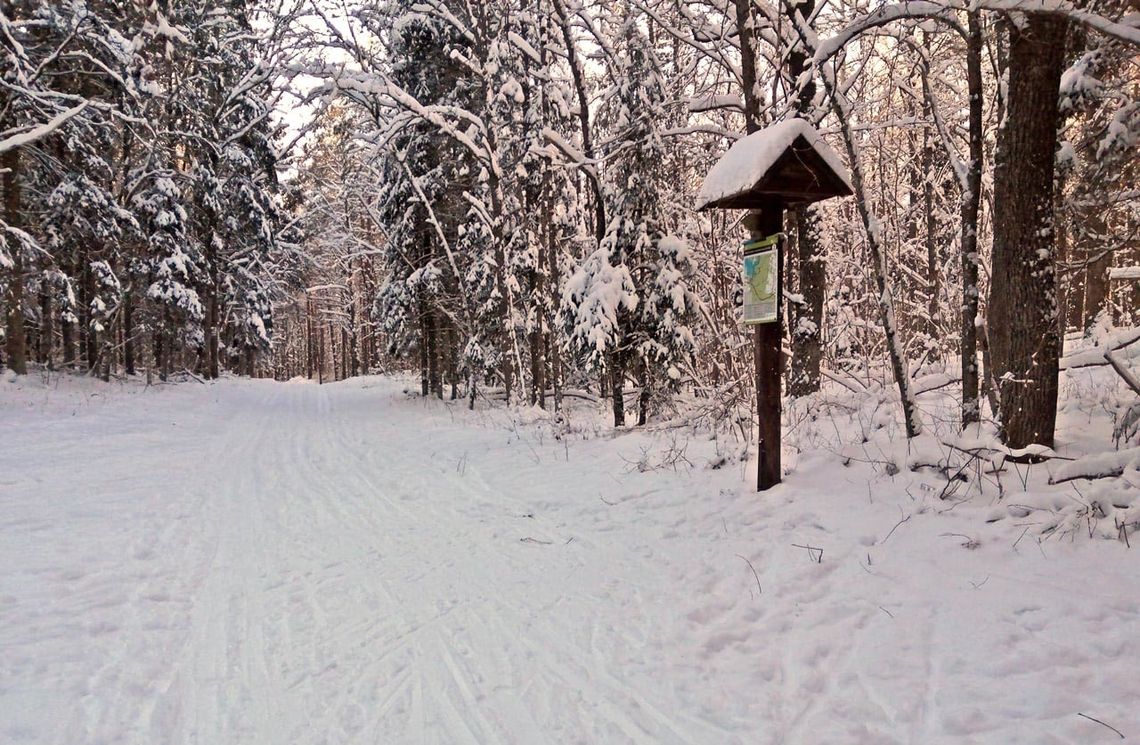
(250, 562)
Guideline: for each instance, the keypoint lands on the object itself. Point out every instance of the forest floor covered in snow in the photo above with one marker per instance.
(268, 563)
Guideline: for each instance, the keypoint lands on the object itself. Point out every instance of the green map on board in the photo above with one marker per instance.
(761, 272)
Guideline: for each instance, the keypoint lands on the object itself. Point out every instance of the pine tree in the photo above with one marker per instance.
(175, 269)
(628, 306)
(422, 204)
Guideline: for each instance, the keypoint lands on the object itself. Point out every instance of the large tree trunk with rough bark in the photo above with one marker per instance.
(807, 348)
(807, 318)
(1024, 341)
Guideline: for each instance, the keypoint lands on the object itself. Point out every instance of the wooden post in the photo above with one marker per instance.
(767, 343)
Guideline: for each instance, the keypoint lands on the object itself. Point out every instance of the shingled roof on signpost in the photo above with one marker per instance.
(787, 162)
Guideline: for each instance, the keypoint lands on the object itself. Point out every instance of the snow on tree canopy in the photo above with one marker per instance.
(744, 168)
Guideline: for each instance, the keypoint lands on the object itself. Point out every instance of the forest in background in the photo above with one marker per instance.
(500, 195)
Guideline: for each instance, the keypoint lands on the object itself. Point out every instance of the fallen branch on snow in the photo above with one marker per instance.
(1099, 466)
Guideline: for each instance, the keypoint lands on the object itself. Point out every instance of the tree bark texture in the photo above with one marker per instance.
(807, 347)
(16, 343)
(807, 319)
(44, 343)
(1024, 341)
(616, 372)
(128, 333)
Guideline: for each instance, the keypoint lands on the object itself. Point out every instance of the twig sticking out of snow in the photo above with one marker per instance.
(971, 543)
(888, 535)
(1094, 719)
(759, 590)
(817, 558)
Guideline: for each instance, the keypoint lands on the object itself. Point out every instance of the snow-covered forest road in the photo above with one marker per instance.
(251, 562)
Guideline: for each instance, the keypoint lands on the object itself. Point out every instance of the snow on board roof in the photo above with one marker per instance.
(750, 158)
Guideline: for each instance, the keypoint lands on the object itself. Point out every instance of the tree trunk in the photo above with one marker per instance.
(354, 337)
(872, 228)
(88, 335)
(435, 384)
(452, 356)
(746, 31)
(554, 349)
(807, 319)
(579, 78)
(106, 355)
(128, 333)
(364, 343)
(615, 367)
(971, 203)
(67, 338)
(807, 347)
(425, 380)
(1073, 293)
(645, 396)
(211, 320)
(212, 331)
(14, 301)
(933, 261)
(45, 335)
(310, 347)
(1024, 342)
(321, 353)
(537, 367)
(1097, 263)
(159, 352)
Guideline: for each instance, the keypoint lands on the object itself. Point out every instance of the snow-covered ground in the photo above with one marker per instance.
(255, 562)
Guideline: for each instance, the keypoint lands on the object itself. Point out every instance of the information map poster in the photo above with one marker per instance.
(761, 280)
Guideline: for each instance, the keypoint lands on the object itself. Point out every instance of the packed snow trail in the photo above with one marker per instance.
(315, 568)
(251, 562)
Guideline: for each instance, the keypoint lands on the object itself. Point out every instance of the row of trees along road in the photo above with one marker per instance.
(142, 221)
(499, 194)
